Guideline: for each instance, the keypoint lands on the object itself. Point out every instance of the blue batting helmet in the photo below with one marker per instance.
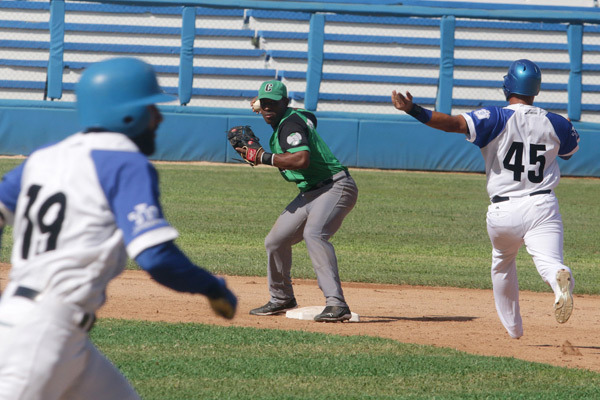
(523, 77)
(115, 94)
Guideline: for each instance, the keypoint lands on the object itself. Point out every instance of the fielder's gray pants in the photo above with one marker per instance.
(314, 217)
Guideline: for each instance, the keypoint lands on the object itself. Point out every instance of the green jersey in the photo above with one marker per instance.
(297, 132)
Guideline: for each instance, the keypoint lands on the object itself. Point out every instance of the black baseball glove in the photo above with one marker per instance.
(245, 142)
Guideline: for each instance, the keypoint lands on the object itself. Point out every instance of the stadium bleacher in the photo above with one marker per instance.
(364, 57)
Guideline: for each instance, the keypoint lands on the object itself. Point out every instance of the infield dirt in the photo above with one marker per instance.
(462, 319)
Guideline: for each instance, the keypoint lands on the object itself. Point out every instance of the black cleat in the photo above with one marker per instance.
(272, 308)
(334, 314)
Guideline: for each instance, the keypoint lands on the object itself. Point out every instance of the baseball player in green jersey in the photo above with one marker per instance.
(327, 194)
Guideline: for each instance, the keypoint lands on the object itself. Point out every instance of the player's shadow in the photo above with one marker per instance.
(553, 345)
(369, 319)
(572, 346)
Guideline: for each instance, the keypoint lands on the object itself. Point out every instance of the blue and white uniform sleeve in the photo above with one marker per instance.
(486, 124)
(10, 187)
(567, 134)
(130, 183)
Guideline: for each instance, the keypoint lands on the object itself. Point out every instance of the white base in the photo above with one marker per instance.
(309, 313)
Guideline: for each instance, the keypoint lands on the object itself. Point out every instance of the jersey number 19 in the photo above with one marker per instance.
(52, 228)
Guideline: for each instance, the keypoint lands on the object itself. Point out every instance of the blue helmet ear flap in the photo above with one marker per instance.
(115, 94)
(523, 77)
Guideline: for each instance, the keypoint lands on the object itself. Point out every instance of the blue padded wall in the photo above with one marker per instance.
(364, 141)
(24, 129)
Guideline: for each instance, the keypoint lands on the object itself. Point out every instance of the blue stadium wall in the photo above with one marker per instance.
(364, 141)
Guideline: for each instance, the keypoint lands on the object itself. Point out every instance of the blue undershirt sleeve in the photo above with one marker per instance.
(170, 267)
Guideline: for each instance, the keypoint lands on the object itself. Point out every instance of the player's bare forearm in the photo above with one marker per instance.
(292, 161)
(448, 123)
(434, 119)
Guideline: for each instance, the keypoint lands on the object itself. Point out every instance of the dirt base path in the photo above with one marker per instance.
(462, 319)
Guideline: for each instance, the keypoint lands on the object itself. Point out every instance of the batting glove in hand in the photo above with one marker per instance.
(222, 300)
(245, 142)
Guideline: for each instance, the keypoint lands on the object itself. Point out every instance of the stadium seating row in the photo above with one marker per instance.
(364, 56)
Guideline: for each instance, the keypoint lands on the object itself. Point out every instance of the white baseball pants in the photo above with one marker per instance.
(536, 222)
(45, 355)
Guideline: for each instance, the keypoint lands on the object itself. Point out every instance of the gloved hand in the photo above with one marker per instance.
(246, 143)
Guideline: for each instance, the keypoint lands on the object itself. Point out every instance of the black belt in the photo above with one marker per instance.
(327, 181)
(499, 199)
(86, 323)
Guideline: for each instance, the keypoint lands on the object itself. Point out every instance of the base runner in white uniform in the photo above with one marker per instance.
(519, 143)
(79, 208)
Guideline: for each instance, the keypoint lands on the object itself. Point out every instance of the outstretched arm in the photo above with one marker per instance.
(434, 119)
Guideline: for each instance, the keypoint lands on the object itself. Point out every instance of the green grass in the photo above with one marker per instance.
(407, 227)
(412, 228)
(191, 361)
